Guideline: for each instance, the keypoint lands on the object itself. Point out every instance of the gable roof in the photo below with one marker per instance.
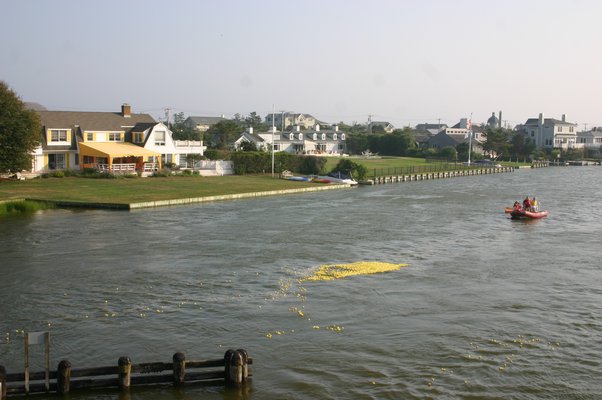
(206, 120)
(95, 121)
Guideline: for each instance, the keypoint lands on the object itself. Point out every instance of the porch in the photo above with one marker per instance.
(118, 157)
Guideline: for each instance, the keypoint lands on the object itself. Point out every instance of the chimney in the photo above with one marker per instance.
(297, 128)
(500, 120)
(540, 122)
(126, 110)
(250, 129)
(317, 128)
(563, 117)
(335, 128)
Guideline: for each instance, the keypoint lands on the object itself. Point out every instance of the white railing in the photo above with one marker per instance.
(116, 167)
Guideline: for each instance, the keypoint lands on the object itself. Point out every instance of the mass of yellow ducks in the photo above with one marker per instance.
(330, 272)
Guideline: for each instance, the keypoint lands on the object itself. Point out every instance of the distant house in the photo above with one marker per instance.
(550, 133)
(202, 124)
(591, 140)
(313, 141)
(387, 127)
(284, 120)
(107, 141)
(432, 129)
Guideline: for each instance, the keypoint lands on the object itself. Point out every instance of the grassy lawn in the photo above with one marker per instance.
(134, 190)
(141, 189)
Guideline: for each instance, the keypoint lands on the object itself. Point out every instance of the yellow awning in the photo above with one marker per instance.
(113, 150)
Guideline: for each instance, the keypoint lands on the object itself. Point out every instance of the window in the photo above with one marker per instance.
(560, 129)
(342, 136)
(114, 137)
(334, 136)
(89, 136)
(570, 129)
(88, 160)
(276, 147)
(292, 137)
(315, 137)
(159, 138)
(323, 136)
(58, 135)
(138, 137)
(56, 161)
(300, 136)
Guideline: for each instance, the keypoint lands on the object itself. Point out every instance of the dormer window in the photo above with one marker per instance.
(300, 136)
(58, 135)
(315, 136)
(114, 137)
(334, 136)
(323, 136)
(292, 136)
(342, 136)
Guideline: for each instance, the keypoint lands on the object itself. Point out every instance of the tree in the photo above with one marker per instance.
(254, 121)
(19, 132)
(497, 140)
(181, 131)
(221, 134)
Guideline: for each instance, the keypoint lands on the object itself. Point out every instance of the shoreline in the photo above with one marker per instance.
(184, 201)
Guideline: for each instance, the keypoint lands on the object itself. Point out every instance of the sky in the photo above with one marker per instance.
(402, 61)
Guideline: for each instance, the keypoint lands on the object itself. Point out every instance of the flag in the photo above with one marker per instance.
(468, 124)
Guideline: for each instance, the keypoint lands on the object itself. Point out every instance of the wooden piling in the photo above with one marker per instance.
(125, 372)
(2, 382)
(245, 364)
(235, 370)
(63, 378)
(179, 369)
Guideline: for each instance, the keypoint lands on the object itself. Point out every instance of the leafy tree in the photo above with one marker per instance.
(183, 132)
(498, 140)
(348, 167)
(357, 143)
(450, 153)
(248, 146)
(254, 121)
(222, 134)
(19, 132)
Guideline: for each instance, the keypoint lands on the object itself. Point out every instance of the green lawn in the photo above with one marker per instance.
(135, 190)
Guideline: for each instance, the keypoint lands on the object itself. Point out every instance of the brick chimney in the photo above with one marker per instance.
(126, 110)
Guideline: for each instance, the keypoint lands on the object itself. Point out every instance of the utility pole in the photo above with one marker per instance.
(585, 124)
(370, 122)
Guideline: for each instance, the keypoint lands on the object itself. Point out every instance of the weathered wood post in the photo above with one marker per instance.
(227, 356)
(2, 382)
(125, 372)
(245, 366)
(63, 377)
(236, 369)
(179, 368)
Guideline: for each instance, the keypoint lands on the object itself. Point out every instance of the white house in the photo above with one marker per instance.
(311, 142)
(158, 138)
(549, 133)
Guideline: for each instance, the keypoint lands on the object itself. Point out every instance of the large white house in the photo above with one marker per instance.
(550, 133)
(313, 141)
(107, 141)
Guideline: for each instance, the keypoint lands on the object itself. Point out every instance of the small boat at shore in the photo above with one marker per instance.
(335, 177)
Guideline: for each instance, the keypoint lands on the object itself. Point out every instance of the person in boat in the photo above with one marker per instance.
(527, 204)
(535, 205)
(516, 206)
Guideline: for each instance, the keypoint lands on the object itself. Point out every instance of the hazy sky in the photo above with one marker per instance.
(403, 61)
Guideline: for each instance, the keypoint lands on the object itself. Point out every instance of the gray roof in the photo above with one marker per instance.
(94, 121)
(206, 120)
(550, 121)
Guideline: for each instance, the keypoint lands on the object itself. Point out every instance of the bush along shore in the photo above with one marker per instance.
(14, 207)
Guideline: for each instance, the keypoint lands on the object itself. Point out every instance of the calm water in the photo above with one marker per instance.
(487, 308)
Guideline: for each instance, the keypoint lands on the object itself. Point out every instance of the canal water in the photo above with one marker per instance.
(487, 307)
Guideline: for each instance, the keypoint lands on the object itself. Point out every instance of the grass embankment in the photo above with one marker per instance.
(126, 191)
(22, 207)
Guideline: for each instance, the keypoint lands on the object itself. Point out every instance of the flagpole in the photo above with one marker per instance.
(469, 138)
(272, 140)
